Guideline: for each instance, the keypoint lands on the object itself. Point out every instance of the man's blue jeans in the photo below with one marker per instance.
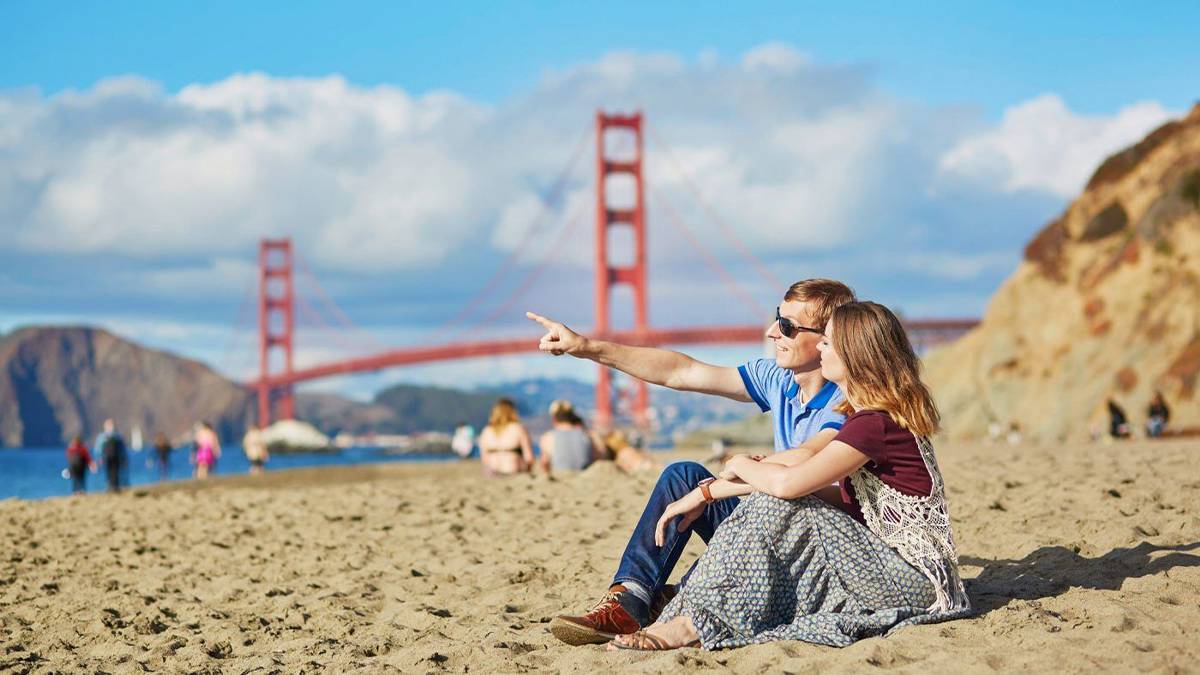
(649, 565)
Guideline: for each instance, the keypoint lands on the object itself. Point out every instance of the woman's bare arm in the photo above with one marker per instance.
(834, 462)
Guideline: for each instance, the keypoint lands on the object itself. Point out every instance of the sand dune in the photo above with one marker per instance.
(1080, 558)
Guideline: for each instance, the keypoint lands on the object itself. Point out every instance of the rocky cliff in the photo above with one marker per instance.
(59, 381)
(1106, 303)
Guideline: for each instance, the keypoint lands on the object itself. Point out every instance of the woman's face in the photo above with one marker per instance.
(832, 368)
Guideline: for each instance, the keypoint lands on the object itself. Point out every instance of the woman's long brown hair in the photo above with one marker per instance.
(882, 370)
(503, 414)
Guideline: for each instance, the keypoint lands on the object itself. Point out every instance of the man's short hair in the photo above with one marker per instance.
(822, 296)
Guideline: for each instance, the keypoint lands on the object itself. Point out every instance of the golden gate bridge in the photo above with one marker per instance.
(277, 298)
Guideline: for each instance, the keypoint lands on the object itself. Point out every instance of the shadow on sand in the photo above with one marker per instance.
(1052, 570)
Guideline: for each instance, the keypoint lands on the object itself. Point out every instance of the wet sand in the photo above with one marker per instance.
(1079, 559)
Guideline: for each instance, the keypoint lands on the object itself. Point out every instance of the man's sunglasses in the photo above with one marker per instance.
(790, 329)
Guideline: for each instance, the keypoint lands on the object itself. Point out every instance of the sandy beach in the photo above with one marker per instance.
(1080, 558)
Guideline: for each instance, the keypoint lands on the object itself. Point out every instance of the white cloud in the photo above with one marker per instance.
(1042, 145)
(774, 56)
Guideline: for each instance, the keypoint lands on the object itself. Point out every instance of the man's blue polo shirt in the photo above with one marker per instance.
(775, 389)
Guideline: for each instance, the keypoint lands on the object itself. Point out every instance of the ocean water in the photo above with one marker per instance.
(36, 473)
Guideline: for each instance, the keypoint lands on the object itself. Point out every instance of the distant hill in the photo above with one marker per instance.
(1105, 304)
(59, 381)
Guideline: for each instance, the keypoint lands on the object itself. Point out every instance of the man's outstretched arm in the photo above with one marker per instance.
(656, 366)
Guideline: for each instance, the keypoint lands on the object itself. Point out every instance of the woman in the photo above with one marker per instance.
(504, 445)
(628, 458)
(832, 565)
(208, 449)
(567, 446)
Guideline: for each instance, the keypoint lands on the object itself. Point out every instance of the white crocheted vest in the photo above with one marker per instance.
(917, 527)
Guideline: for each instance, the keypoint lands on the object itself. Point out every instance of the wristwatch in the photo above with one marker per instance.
(703, 485)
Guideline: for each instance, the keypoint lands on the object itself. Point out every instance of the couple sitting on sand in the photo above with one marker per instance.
(842, 534)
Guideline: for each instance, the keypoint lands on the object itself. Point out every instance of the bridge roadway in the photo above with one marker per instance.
(651, 338)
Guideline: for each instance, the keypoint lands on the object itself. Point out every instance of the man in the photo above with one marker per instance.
(111, 448)
(801, 403)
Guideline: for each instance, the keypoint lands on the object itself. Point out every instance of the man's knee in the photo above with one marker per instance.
(684, 475)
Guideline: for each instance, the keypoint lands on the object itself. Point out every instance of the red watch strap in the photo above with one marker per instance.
(708, 498)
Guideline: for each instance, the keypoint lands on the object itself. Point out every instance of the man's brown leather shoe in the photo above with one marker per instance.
(602, 623)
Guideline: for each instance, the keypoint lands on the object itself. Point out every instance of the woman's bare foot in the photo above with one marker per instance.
(676, 633)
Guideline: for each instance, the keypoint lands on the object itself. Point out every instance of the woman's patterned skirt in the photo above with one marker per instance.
(800, 570)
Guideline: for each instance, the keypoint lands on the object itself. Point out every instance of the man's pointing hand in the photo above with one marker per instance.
(558, 339)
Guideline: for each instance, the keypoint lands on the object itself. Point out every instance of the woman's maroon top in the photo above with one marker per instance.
(893, 452)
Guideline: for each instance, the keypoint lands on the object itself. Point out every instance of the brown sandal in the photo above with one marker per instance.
(645, 642)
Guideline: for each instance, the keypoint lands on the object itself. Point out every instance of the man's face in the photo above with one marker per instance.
(799, 352)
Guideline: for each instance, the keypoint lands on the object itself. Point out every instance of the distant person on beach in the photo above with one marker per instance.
(208, 450)
(255, 448)
(799, 560)
(504, 444)
(627, 457)
(802, 406)
(162, 455)
(1118, 422)
(1157, 416)
(110, 445)
(567, 446)
(463, 441)
(79, 462)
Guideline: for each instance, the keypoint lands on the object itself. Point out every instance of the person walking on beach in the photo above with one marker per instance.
(789, 386)
(79, 462)
(798, 561)
(504, 444)
(256, 450)
(162, 455)
(208, 449)
(111, 447)
(566, 446)
(1157, 416)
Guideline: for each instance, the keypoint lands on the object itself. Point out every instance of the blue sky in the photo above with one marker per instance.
(1096, 55)
(909, 148)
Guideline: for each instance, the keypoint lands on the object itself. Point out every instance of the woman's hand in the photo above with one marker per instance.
(689, 507)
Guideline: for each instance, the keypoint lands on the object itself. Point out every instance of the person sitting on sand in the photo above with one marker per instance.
(1118, 421)
(803, 560)
(1157, 416)
(628, 458)
(504, 445)
(567, 446)
(790, 386)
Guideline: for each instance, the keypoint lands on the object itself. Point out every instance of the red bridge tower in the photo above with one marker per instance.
(276, 325)
(608, 275)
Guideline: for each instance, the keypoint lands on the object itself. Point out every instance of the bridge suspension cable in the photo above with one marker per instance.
(726, 230)
(709, 259)
(547, 206)
(368, 339)
(532, 275)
